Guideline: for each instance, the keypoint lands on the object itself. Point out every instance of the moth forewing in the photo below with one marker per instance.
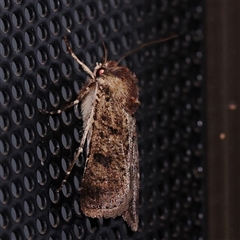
(131, 215)
(109, 181)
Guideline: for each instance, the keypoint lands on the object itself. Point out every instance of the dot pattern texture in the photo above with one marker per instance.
(37, 72)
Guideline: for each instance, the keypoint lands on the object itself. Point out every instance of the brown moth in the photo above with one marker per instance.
(109, 99)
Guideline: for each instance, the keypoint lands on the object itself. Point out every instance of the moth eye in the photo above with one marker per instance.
(100, 71)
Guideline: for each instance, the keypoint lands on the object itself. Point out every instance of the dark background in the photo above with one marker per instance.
(223, 114)
(187, 122)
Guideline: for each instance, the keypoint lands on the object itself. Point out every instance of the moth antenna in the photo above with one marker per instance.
(84, 67)
(145, 45)
(99, 34)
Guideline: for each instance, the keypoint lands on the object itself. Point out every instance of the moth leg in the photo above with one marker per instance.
(79, 151)
(84, 67)
(84, 91)
(60, 110)
(83, 140)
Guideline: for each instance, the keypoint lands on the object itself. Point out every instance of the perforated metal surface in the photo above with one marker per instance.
(35, 149)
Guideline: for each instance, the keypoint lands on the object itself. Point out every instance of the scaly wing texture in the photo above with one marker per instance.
(106, 184)
(130, 215)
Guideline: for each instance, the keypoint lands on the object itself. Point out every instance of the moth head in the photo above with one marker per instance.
(102, 68)
(100, 71)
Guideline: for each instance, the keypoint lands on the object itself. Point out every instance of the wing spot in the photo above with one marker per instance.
(103, 160)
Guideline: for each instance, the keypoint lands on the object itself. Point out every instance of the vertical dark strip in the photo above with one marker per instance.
(223, 118)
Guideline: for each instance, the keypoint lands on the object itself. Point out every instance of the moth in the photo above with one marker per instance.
(109, 99)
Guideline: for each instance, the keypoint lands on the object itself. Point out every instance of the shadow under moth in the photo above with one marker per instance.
(109, 99)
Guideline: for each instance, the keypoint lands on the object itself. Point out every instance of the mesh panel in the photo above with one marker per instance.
(36, 71)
